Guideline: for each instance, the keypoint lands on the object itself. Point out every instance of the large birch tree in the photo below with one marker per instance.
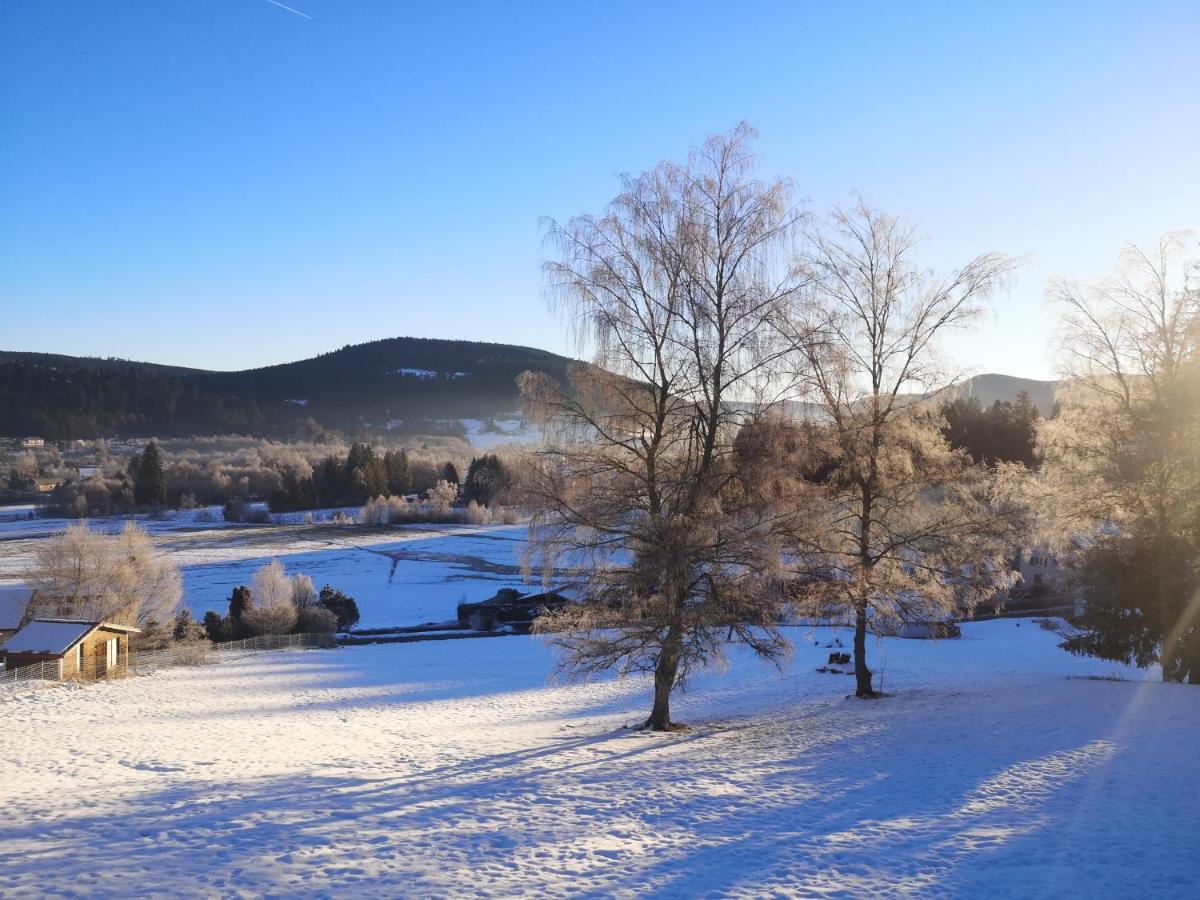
(677, 544)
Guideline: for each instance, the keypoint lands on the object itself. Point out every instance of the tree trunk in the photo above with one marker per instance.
(664, 682)
(862, 675)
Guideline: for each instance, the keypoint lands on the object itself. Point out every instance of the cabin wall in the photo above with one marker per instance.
(95, 659)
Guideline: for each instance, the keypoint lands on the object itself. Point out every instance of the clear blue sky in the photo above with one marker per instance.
(223, 183)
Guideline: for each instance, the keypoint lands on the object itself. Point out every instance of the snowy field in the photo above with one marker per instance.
(997, 768)
(404, 575)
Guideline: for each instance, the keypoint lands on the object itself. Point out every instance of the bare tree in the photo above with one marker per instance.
(1124, 452)
(913, 529)
(641, 495)
(86, 574)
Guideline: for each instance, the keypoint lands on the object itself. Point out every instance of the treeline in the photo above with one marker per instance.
(362, 474)
(184, 474)
(69, 402)
(1003, 432)
(353, 479)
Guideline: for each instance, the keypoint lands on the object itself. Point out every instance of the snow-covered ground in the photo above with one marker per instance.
(401, 576)
(455, 769)
(398, 576)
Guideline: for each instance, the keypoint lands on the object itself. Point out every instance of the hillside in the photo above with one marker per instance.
(989, 388)
(397, 384)
(401, 383)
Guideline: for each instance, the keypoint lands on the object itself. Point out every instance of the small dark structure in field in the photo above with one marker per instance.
(509, 608)
(930, 630)
(84, 651)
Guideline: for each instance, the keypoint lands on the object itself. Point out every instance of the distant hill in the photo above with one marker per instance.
(398, 383)
(989, 388)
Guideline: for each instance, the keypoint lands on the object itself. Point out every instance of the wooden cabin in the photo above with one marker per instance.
(85, 651)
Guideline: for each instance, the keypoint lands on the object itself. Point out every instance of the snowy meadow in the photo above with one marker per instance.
(998, 766)
(399, 575)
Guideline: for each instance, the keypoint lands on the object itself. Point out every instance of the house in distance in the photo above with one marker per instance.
(509, 609)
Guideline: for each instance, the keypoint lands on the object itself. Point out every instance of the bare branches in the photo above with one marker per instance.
(678, 288)
(912, 529)
(85, 574)
(1122, 447)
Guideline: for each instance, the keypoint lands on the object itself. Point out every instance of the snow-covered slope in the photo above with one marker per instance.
(455, 769)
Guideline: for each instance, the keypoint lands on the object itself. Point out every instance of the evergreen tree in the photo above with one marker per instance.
(217, 629)
(241, 601)
(399, 475)
(450, 473)
(150, 479)
(486, 478)
(187, 628)
(343, 608)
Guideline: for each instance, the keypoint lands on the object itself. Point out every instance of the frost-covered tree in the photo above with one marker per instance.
(1122, 457)
(86, 574)
(640, 495)
(274, 611)
(912, 528)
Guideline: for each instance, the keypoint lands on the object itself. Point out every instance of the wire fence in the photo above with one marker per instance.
(185, 653)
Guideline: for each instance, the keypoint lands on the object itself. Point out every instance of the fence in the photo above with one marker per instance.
(181, 654)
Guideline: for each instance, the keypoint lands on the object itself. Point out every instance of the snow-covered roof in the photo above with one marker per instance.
(48, 636)
(56, 635)
(14, 600)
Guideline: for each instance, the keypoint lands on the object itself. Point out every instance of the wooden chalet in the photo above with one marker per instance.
(84, 651)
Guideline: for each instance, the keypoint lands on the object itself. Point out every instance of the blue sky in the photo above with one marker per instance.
(223, 183)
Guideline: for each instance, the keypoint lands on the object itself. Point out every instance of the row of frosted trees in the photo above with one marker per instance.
(752, 441)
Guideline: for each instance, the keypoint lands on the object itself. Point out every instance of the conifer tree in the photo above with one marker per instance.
(150, 479)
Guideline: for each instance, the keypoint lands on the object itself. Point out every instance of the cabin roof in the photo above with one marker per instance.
(14, 600)
(55, 636)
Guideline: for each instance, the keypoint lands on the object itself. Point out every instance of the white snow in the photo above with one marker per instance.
(403, 576)
(398, 576)
(454, 769)
(489, 434)
(427, 373)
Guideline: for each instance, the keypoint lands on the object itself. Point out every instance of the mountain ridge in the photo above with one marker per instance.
(357, 388)
(391, 384)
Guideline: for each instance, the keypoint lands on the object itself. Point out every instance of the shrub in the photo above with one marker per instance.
(277, 619)
(316, 620)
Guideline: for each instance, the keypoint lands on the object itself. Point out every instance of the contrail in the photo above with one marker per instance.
(289, 9)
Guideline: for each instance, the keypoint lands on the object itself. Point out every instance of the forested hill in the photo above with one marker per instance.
(398, 381)
(987, 389)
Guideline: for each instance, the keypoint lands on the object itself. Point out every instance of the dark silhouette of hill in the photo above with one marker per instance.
(402, 381)
(989, 388)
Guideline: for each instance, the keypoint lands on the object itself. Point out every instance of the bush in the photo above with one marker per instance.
(191, 652)
(279, 618)
(316, 620)
(437, 509)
